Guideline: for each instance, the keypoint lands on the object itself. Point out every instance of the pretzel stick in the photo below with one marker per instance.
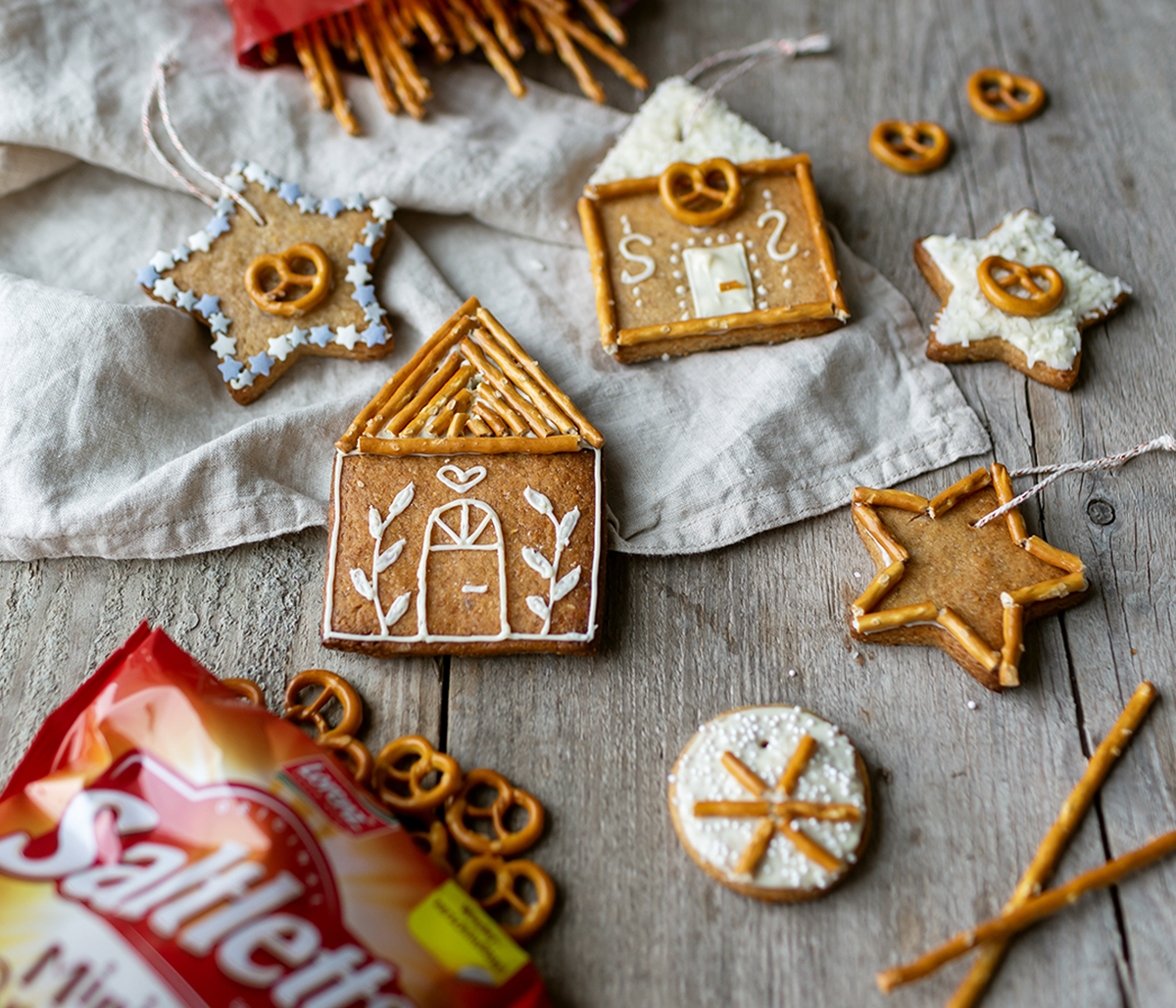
(954, 624)
(1004, 493)
(339, 104)
(733, 809)
(543, 43)
(754, 853)
(446, 371)
(498, 59)
(427, 23)
(492, 409)
(812, 810)
(1052, 555)
(410, 85)
(461, 34)
(743, 773)
(589, 433)
(1035, 908)
(889, 619)
(622, 67)
(504, 29)
(305, 53)
(876, 590)
(438, 402)
(1054, 842)
(797, 762)
(551, 412)
(400, 24)
(346, 37)
(870, 521)
(943, 502)
(605, 21)
(470, 445)
(1013, 623)
(1044, 590)
(371, 60)
(491, 420)
(889, 498)
(572, 59)
(810, 848)
(331, 30)
(505, 389)
(268, 52)
(478, 426)
(438, 422)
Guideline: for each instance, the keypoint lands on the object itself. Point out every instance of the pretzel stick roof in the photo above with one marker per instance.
(471, 366)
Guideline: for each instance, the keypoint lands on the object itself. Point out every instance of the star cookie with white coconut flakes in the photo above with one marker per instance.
(299, 284)
(972, 326)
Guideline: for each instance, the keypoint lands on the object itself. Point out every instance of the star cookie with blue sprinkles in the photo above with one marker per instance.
(301, 284)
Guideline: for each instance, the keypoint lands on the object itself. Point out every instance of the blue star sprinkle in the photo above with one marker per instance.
(261, 364)
(230, 368)
(320, 335)
(331, 207)
(147, 276)
(360, 254)
(180, 253)
(364, 295)
(223, 206)
(356, 202)
(373, 232)
(217, 226)
(375, 335)
(296, 336)
(290, 192)
(208, 305)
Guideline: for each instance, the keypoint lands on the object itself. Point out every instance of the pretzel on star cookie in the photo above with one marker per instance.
(403, 766)
(1035, 301)
(1004, 97)
(683, 186)
(912, 148)
(532, 914)
(462, 812)
(273, 300)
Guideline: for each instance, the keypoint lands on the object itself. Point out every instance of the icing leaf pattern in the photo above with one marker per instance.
(383, 559)
(557, 586)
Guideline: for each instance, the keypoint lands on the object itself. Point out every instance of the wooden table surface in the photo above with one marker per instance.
(963, 795)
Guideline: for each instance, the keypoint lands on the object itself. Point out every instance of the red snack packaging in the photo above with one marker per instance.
(164, 844)
(257, 21)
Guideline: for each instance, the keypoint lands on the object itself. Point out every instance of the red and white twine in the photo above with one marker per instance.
(1165, 442)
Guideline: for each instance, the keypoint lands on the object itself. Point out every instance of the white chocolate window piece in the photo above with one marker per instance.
(719, 280)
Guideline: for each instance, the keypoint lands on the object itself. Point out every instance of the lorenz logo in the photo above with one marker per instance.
(261, 903)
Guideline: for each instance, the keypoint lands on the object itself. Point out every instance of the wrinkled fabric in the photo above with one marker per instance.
(117, 436)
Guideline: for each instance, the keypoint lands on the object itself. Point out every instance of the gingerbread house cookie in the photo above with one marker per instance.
(703, 234)
(1017, 295)
(772, 801)
(466, 508)
(295, 281)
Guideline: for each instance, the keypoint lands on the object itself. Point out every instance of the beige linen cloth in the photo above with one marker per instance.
(117, 437)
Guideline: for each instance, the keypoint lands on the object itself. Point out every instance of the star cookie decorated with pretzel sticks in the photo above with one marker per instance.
(943, 582)
(772, 801)
(300, 283)
(1018, 295)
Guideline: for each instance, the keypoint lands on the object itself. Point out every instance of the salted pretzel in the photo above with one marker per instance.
(402, 788)
(331, 687)
(282, 263)
(910, 148)
(246, 689)
(506, 875)
(1004, 97)
(504, 841)
(1037, 300)
(683, 185)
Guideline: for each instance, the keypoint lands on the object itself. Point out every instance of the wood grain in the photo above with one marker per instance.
(964, 795)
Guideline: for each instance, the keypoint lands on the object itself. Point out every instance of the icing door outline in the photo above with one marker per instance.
(462, 546)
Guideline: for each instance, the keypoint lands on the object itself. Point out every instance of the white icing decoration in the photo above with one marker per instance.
(647, 263)
(654, 137)
(831, 777)
(707, 269)
(781, 219)
(557, 586)
(422, 634)
(461, 480)
(382, 559)
(1030, 239)
(462, 538)
(473, 589)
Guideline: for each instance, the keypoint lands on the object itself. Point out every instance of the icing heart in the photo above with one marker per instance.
(461, 480)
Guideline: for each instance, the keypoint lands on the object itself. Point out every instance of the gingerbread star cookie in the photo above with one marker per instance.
(943, 582)
(300, 283)
(1018, 295)
(772, 801)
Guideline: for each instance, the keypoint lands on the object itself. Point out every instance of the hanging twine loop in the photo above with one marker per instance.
(1165, 442)
(749, 56)
(157, 94)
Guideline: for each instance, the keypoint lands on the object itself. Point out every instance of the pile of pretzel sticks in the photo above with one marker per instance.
(384, 37)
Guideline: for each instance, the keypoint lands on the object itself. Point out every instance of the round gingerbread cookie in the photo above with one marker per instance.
(772, 801)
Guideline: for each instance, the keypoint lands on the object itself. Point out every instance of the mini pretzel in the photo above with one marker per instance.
(433, 839)
(504, 841)
(682, 185)
(402, 789)
(506, 874)
(1038, 301)
(352, 752)
(247, 690)
(282, 263)
(910, 148)
(332, 687)
(1004, 97)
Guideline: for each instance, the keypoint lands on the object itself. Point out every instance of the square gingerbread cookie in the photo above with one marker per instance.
(466, 507)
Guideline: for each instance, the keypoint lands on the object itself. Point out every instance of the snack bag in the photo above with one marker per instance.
(164, 844)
